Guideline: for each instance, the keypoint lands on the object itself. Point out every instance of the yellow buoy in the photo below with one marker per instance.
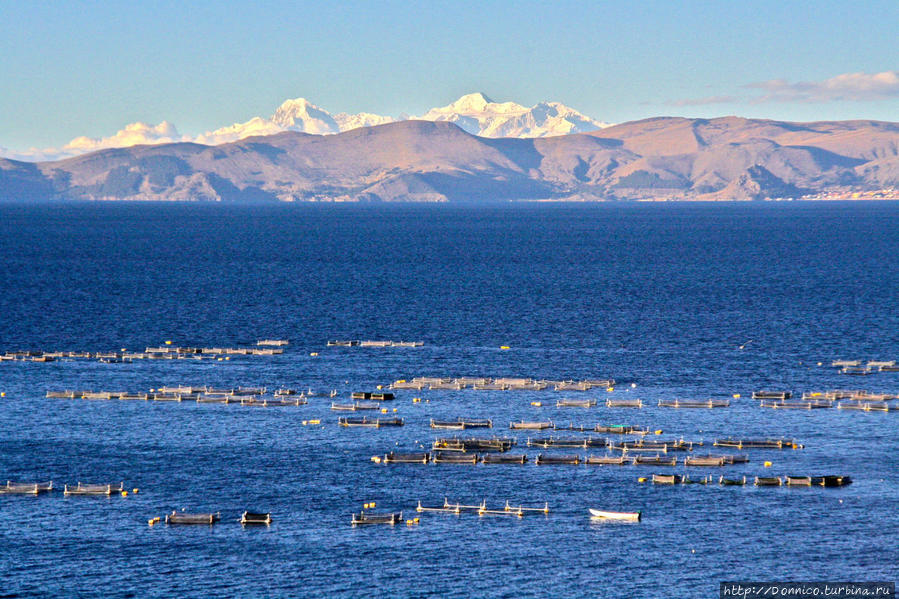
(415, 520)
(376, 459)
(3, 394)
(379, 387)
(416, 400)
(151, 521)
(736, 396)
(227, 357)
(371, 504)
(315, 353)
(642, 479)
(135, 491)
(394, 409)
(536, 404)
(409, 523)
(383, 410)
(610, 389)
(124, 493)
(504, 347)
(659, 432)
(168, 342)
(767, 464)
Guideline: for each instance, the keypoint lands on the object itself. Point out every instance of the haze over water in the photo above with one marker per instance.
(656, 296)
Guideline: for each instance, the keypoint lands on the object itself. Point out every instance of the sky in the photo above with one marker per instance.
(76, 68)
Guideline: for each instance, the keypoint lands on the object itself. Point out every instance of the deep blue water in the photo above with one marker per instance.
(658, 297)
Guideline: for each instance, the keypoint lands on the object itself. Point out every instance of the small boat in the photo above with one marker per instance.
(629, 516)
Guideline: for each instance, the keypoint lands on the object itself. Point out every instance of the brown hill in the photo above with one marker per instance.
(676, 158)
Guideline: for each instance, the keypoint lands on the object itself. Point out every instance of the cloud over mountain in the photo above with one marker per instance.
(852, 87)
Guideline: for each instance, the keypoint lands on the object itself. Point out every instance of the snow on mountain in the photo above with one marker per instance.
(475, 113)
(479, 115)
(363, 119)
(302, 115)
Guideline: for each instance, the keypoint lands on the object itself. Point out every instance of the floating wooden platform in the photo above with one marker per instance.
(255, 519)
(732, 481)
(606, 515)
(608, 460)
(667, 479)
(757, 443)
(496, 458)
(679, 403)
(655, 460)
(575, 403)
(476, 444)
(768, 481)
(372, 396)
(523, 425)
(624, 403)
(461, 423)
(498, 384)
(705, 480)
(454, 458)
(867, 406)
(715, 460)
(191, 519)
(543, 460)
(356, 406)
(772, 395)
(620, 429)
(371, 343)
(93, 489)
(546, 442)
(11, 488)
(370, 422)
(644, 444)
(796, 404)
(407, 458)
(363, 518)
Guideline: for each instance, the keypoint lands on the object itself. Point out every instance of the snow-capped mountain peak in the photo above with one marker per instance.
(479, 115)
(300, 114)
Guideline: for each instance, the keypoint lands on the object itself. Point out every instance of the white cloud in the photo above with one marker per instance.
(852, 87)
(255, 126)
(132, 135)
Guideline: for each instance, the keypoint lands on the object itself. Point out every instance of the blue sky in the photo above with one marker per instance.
(90, 68)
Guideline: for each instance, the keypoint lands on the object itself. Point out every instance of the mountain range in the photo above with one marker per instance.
(436, 160)
(475, 113)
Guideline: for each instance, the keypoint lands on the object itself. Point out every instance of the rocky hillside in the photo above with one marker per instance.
(672, 158)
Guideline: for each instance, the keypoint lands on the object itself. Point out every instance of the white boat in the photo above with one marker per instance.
(630, 516)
